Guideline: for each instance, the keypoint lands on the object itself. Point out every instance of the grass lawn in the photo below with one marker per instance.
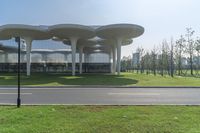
(125, 79)
(100, 119)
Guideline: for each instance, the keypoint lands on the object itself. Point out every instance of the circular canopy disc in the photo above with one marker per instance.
(96, 50)
(120, 31)
(4, 37)
(65, 31)
(8, 48)
(113, 42)
(83, 42)
(15, 30)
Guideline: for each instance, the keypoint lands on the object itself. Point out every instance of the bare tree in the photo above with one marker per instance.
(172, 58)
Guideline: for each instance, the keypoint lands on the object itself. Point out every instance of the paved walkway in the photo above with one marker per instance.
(103, 96)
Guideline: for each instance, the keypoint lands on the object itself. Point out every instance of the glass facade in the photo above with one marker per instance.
(52, 56)
(56, 62)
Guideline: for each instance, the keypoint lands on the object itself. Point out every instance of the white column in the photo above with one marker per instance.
(28, 55)
(114, 60)
(80, 59)
(110, 61)
(119, 42)
(73, 45)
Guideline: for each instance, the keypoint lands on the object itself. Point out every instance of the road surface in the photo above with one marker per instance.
(103, 96)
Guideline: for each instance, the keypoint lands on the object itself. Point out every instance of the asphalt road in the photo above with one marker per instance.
(103, 96)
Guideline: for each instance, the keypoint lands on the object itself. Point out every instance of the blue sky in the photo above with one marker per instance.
(160, 18)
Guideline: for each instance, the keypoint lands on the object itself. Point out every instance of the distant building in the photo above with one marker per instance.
(135, 59)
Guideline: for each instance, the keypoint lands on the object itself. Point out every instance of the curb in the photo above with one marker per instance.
(14, 104)
(99, 86)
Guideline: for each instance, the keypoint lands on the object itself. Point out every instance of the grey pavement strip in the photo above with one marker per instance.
(102, 96)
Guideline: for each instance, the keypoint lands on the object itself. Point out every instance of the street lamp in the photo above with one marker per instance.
(18, 40)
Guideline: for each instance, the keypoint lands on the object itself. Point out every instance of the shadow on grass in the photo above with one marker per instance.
(64, 79)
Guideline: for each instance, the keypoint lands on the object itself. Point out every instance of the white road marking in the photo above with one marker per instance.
(136, 94)
(15, 93)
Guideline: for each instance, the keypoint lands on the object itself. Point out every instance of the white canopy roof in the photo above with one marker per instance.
(87, 35)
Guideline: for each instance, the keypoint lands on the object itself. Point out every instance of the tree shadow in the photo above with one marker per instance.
(55, 79)
(97, 79)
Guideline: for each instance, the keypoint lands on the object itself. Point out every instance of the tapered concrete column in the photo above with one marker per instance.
(114, 59)
(119, 43)
(80, 59)
(28, 55)
(73, 45)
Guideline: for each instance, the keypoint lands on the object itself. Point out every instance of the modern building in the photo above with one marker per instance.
(88, 48)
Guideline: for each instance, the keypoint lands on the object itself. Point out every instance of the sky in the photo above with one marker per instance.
(162, 19)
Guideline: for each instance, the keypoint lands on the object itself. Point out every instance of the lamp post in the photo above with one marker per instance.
(18, 40)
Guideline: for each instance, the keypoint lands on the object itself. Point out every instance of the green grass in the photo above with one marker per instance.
(125, 79)
(100, 119)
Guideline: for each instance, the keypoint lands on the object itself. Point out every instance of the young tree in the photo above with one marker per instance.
(165, 58)
(197, 48)
(179, 48)
(140, 65)
(159, 60)
(190, 47)
(126, 63)
(153, 60)
(147, 62)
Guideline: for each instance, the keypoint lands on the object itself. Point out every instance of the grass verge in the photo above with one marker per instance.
(125, 79)
(100, 119)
